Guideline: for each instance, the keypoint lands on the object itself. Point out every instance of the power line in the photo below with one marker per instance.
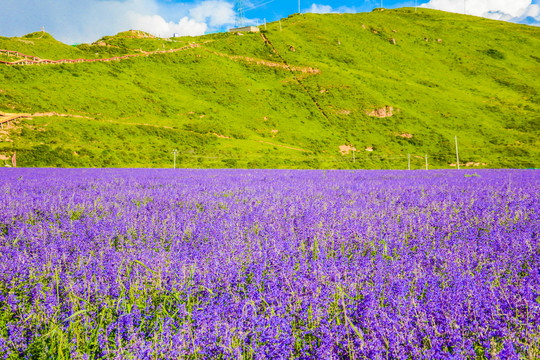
(240, 16)
(259, 5)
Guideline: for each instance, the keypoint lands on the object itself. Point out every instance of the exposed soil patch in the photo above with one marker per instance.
(405, 135)
(384, 112)
(345, 149)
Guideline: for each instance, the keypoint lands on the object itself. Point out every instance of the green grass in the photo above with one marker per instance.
(447, 75)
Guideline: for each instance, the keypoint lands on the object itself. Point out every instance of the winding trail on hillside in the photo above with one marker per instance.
(34, 60)
(285, 66)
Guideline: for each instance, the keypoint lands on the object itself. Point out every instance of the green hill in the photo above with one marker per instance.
(285, 98)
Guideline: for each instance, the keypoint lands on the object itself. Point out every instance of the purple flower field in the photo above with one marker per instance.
(269, 264)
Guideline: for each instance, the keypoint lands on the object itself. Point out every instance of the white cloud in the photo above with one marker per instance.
(215, 13)
(155, 24)
(320, 9)
(88, 20)
(326, 9)
(507, 10)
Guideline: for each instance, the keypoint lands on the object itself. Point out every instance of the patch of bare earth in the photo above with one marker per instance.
(221, 136)
(384, 112)
(405, 135)
(346, 149)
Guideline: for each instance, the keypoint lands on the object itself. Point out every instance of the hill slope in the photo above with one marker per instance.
(289, 98)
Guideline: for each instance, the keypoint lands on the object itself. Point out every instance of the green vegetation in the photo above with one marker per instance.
(41, 45)
(227, 103)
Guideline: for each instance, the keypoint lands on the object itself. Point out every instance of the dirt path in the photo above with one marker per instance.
(34, 60)
(303, 69)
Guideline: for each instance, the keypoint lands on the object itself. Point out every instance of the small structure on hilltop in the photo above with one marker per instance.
(245, 29)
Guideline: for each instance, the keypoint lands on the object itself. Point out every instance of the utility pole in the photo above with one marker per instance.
(174, 152)
(426, 162)
(264, 23)
(457, 154)
(299, 7)
(409, 161)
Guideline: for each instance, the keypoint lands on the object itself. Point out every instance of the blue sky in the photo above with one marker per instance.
(88, 20)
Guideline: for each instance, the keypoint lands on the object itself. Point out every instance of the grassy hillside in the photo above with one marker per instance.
(288, 98)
